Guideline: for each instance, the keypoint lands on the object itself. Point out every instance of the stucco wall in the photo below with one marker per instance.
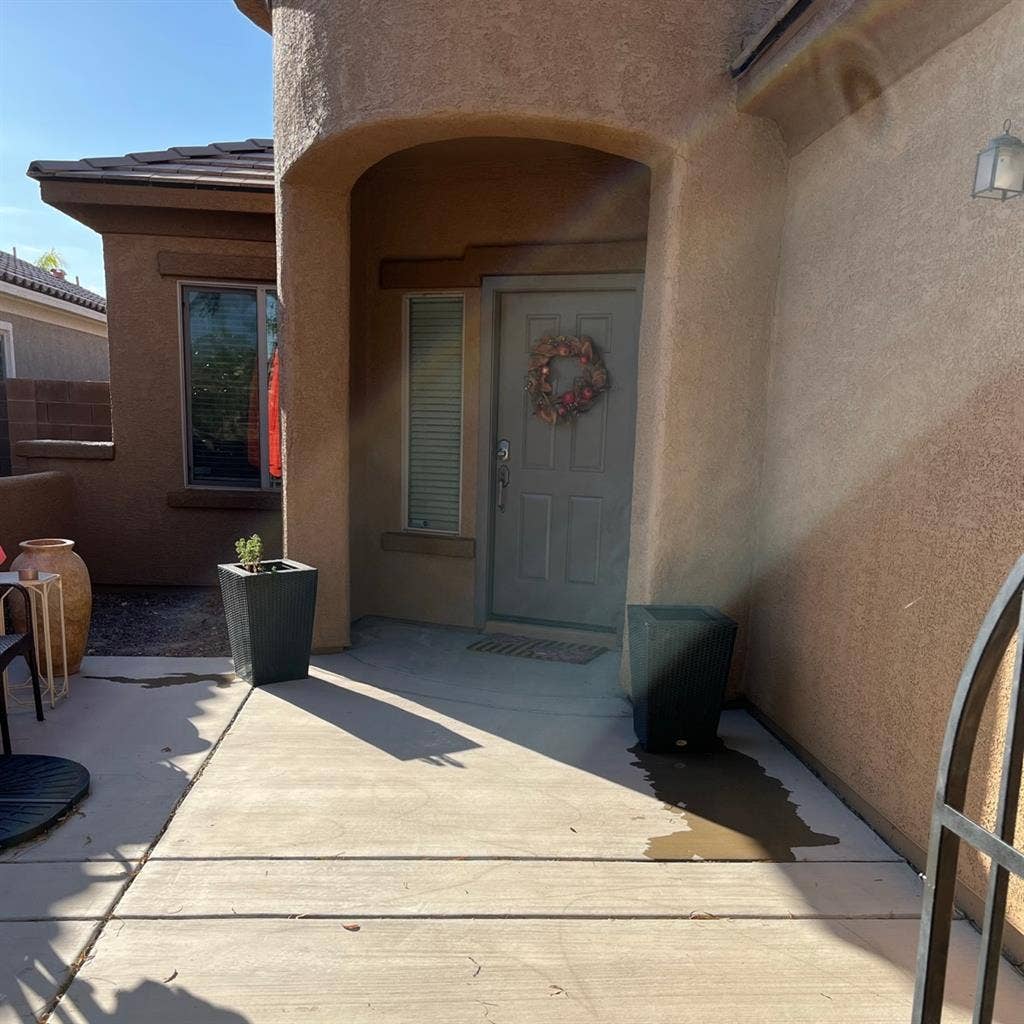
(431, 203)
(35, 505)
(886, 515)
(50, 351)
(716, 218)
(355, 82)
(126, 530)
(893, 502)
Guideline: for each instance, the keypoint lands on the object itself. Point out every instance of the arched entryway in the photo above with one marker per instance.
(465, 199)
(465, 253)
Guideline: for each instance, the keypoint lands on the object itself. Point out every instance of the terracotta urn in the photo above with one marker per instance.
(55, 554)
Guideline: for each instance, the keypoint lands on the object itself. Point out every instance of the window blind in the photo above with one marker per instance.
(224, 388)
(435, 413)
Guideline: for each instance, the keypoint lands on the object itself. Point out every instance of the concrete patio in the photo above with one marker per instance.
(421, 833)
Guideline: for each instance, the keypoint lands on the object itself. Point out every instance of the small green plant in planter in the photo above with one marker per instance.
(269, 606)
(250, 552)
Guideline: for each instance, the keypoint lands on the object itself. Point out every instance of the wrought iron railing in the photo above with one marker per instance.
(951, 827)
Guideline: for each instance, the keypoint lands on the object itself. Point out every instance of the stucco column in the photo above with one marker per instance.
(313, 278)
(661, 287)
(713, 246)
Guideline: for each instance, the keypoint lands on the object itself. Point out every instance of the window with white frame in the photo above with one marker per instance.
(6, 350)
(433, 449)
(232, 385)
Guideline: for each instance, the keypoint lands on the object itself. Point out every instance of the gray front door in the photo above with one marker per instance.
(561, 524)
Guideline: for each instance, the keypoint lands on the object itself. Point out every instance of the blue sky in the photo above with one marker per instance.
(106, 77)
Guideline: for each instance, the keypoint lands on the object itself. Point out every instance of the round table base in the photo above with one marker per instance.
(35, 791)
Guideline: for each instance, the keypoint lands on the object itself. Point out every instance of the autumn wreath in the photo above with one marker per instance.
(588, 386)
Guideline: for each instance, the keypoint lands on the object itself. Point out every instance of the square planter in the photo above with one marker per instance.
(679, 658)
(270, 619)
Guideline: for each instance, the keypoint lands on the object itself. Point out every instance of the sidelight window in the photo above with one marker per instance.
(433, 466)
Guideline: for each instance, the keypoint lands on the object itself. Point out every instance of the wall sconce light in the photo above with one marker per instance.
(1000, 170)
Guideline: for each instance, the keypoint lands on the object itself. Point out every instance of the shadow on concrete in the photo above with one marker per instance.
(151, 1002)
(730, 808)
(126, 736)
(400, 733)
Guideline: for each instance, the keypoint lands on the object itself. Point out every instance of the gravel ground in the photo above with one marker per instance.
(185, 622)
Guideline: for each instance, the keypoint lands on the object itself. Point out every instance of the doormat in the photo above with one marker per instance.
(538, 650)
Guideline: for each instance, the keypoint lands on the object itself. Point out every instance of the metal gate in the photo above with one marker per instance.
(950, 826)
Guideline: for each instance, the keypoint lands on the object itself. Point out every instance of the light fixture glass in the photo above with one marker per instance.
(1000, 170)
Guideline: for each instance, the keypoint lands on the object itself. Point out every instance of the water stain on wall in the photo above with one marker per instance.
(732, 809)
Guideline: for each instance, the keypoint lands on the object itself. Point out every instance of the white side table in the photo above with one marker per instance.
(38, 591)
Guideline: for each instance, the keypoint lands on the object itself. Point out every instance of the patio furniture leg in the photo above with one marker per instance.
(5, 733)
(30, 657)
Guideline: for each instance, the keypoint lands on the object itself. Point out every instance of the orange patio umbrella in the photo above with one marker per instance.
(274, 416)
(273, 419)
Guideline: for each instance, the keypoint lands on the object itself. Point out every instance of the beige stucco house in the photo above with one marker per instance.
(51, 328)
(52, 332)
(759, 213)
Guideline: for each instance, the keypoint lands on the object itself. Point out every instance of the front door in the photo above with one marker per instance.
(561, 494)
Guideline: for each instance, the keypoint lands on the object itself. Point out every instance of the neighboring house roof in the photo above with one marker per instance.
(35, 279)
(246, 166)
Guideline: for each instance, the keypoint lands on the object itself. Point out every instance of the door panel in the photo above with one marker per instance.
(583, 554)
(534, 536)
(561, 544)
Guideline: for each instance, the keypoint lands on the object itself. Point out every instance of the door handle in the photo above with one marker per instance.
(504, 475)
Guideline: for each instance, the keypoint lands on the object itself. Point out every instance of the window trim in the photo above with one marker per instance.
(406, 382)
(7, 340)
(261, 288)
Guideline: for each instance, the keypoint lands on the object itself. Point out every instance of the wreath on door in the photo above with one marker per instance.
(587, 387)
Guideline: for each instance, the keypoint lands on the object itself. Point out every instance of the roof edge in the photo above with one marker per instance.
(257, 11)
(16, 273)
(246, 164)
(185, 184)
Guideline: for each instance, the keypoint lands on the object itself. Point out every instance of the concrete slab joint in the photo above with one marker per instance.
(733, 881)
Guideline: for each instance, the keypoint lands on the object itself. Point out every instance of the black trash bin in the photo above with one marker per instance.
(679, 659)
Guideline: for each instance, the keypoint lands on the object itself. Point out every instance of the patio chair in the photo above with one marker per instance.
(36, 790)
(18, 645)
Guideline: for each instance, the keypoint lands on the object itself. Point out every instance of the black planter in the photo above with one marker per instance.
(679, 659)
(270, 619)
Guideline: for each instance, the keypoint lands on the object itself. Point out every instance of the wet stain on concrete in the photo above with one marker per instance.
(730, 807)
(221, 679)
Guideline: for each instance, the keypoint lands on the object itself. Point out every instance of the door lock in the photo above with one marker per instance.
(503, 454)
